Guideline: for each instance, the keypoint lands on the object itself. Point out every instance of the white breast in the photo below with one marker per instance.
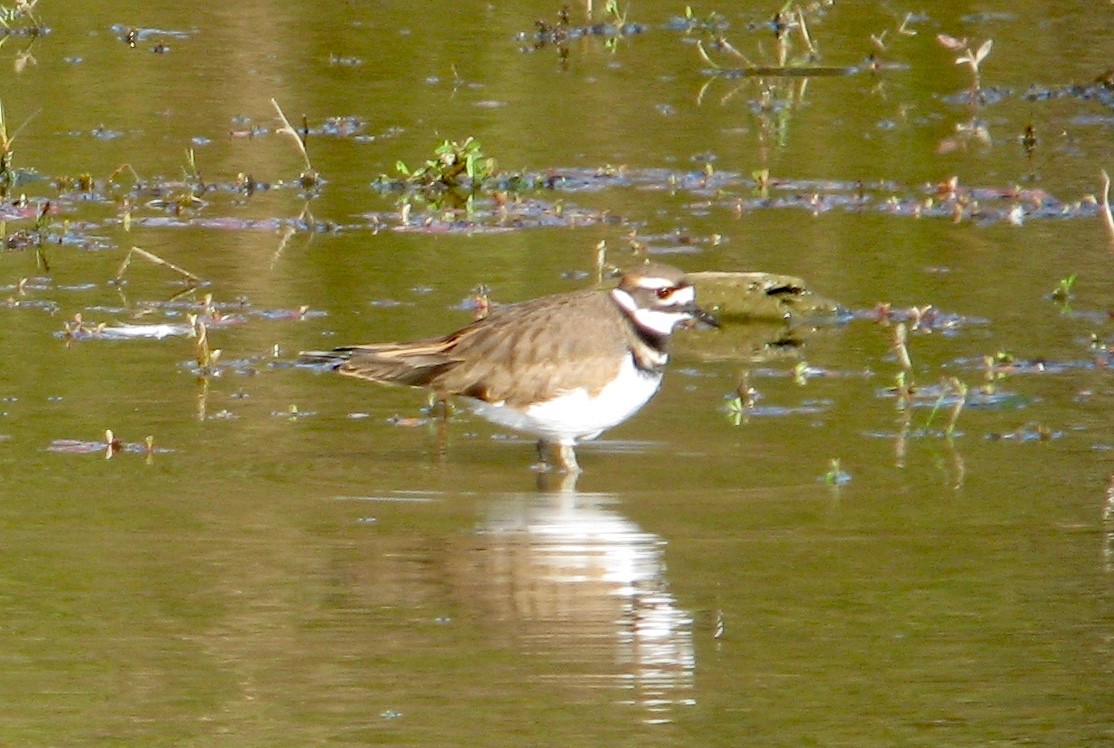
(575, 415)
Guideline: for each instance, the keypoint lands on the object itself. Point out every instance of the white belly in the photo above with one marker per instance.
(576, 415)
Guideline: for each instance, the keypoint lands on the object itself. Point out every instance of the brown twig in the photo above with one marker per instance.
(289, 130)
(1107, 216)
(155, 259)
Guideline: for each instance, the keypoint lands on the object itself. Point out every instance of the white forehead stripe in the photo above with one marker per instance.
(651, 283)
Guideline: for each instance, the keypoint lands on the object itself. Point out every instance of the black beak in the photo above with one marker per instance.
(701, 316)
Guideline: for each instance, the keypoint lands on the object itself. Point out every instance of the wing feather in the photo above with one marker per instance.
(518, 354)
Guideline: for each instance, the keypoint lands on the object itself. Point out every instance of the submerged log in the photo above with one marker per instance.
(760, 297)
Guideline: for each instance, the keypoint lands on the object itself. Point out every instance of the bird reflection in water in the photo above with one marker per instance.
(583, 585)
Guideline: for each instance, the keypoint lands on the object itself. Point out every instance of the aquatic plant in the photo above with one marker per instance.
(451, 179)
(879, 40)
(453, 165)
(791, 17)
(835, 476)
(77, 327)
(179, 197)
(952, 386)
(713, 21)
(309, 176)
(21, 19)
(901, 337)
(743, 401)
(613, 30)
(9, 177)
(206, 357)
(1062, 292)
(971, 58)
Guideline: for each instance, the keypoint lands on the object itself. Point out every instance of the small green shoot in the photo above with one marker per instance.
(185, 196)
(454, 165)
(617, 16)
(761, 179)
(835, 475)
(743, 402)
(736, 410)
(42, 225)
(9, 178)
(959, 390)
(708, 23)
(1062, 293)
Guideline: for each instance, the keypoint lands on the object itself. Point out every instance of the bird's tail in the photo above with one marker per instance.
(324, 359)
(412, 364)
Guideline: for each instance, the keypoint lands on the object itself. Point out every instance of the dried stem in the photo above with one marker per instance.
(804, 31)
(289, 130)
(155, 259)
(1107, 216)
(899, 347)
(704, 54)
(960, 390)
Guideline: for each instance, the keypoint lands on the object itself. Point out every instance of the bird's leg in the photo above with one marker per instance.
(559, 456)
(566, 459)
(441, 414)
(542, 465)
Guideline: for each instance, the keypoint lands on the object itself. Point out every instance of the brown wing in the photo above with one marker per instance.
(519, 353)
(537, 349)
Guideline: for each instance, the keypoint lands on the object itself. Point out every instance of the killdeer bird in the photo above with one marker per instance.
(562, 368)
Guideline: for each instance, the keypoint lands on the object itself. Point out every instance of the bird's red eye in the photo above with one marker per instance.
(665, 293)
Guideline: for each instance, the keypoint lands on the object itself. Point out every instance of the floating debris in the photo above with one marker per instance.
(132, 36)
(127, 332)
(944, 395)
(293, 413)
(835, 476)
(109, 446)
(1030, 432)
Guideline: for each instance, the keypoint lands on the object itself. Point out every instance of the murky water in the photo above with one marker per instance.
(298, 558)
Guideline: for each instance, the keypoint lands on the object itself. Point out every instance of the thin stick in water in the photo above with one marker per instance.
(289, 130)
(1107, 216)
(151, 256)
